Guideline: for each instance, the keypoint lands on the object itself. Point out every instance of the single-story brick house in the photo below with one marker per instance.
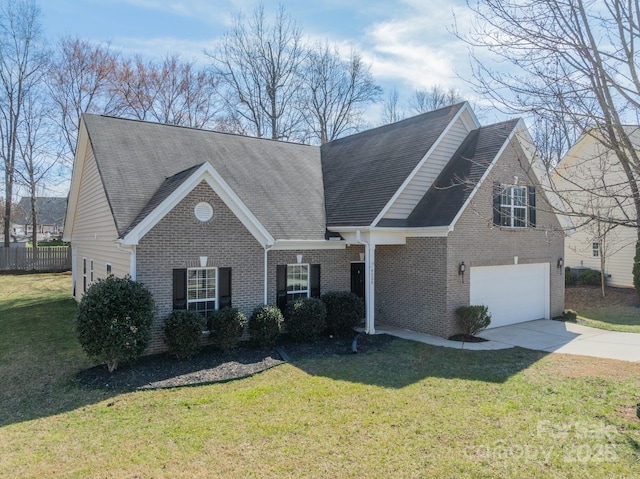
(417, 217)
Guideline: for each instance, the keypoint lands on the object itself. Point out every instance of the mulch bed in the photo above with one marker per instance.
(467, 338)
(161, 371)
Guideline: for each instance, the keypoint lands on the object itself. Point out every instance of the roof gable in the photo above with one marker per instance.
(363, 172)
(280, 183)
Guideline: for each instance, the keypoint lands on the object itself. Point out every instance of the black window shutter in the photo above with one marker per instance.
(532, 206)
(314, 285)
(179, 289)
(497, 191)
(281, 286)
(224, 287)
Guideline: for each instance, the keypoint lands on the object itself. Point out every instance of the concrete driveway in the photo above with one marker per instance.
(542, 335)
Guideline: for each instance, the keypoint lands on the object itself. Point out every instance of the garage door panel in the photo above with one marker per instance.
(513, 293)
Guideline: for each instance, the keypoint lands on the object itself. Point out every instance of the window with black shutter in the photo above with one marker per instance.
(514, 206)
(295, 281)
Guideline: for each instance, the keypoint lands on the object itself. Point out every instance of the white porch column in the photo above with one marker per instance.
(369, 288)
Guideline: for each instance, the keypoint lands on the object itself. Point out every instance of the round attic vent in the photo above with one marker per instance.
(203, 211)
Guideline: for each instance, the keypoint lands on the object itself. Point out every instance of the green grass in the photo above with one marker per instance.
(618, 310)
(409, 410)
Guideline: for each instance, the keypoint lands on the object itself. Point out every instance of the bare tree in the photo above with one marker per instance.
(37, 148)
(434, 98)
(336, 92)
(79, 82)
(259, 66)
(23, 62)
(569, 61)
(391, 111)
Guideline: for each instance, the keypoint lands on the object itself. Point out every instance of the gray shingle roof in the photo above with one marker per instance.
(362, 172)
(51, 210)
(281, 183)
(448, 194)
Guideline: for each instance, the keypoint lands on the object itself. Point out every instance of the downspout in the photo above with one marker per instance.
(267, 248)
(131, 249)
(369, 289)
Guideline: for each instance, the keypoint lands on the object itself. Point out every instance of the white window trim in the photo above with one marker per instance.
(595, 249)
(290, 294)
(91, 272)
(513, 207)
(201, 300)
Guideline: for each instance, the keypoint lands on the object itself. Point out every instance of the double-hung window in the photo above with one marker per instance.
(201, 290)
(595, 249)
(297, 281)
(514, 206)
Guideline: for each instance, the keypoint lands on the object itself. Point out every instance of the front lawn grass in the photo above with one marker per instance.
(409, 410)
(618, 310)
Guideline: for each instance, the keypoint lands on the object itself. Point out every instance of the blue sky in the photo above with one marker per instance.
(407, 42)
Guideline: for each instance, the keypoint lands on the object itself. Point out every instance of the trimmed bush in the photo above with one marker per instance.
(344, 311)
(569, 315)
(473, 318)
(589, 277)
(226, 329)
(113, 322)
(305, 319)
(569, 277)
(183, 333)
(264, 325)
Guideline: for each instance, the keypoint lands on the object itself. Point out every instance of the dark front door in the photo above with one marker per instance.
(357, 279)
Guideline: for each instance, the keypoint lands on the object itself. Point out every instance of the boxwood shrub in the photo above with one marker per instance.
(589, 277)
(265, 325)
(113, 321)
(183, 333)
(226, 328)
(344, 311)
(305, 319)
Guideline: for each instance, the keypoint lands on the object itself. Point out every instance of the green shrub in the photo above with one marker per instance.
(473, 318)
(636, 268)
(226, 328)
(589, 277)
(183, 333)
(113, 322)
(305, 319)
(569, 315)
(264, 325)
(569, 277)
(344, 311)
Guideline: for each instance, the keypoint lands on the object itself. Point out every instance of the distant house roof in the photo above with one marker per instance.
(363, 171)
(50, 210)
(280, 183)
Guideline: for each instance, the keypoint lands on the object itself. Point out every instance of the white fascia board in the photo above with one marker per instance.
(392, 236)
(418, 167)
(518, 126)
(76, 176)
(290, 245)
(208, 174)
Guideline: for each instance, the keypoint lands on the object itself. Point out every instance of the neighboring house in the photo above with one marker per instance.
(418, 217)
(590, 181)
(50, 215)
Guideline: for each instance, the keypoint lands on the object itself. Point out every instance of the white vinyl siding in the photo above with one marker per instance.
(429, 171)
(94, 230)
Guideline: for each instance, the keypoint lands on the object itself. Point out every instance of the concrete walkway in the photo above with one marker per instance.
(541, 335)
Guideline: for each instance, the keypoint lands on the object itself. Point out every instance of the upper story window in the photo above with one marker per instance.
(595, 249)
(514, 206)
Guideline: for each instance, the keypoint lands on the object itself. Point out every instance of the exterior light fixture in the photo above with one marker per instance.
(461, 270)
(560, 262)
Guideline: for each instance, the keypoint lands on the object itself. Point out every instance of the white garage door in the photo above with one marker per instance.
(513, 293)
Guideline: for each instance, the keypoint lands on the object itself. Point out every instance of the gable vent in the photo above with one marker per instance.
(203, 211)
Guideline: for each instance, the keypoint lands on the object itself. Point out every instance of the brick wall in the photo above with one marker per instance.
(179, 240)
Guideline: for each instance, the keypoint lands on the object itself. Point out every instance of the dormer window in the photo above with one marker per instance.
(514, 206)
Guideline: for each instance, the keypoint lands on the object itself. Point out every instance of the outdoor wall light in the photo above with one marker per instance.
(560, 262)
(461, 270)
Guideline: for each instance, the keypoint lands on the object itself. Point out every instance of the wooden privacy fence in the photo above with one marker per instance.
(47, 258)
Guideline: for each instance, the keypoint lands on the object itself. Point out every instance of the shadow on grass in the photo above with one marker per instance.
(401, 363)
